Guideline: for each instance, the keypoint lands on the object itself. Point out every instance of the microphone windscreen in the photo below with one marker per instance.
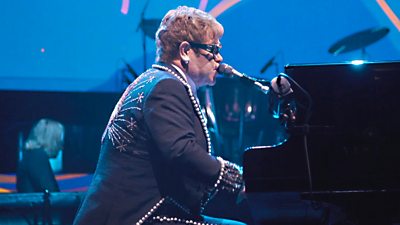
(224, 68)
(281, 86)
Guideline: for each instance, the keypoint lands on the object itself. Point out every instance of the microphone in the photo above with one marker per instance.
(268, 64)
(281, 106)
(228, 70)
(131, 70)
(281, 86)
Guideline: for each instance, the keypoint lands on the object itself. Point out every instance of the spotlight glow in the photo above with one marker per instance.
(357, 62)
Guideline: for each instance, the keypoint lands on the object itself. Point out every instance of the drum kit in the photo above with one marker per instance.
(358, 40)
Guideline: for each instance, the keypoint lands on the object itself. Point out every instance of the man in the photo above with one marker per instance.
(155, 164)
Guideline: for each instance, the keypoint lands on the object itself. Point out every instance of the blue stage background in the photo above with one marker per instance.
(85, 45)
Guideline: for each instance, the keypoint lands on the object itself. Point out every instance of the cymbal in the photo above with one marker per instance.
(358, 40)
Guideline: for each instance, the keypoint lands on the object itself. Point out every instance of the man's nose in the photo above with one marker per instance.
(218, 57)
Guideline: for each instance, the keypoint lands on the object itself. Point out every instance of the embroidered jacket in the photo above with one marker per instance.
(154, 157)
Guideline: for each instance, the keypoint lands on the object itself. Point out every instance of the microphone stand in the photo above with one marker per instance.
(143, 35)
(305, 127)
(305, 131)
(149, 28)
(47, 220)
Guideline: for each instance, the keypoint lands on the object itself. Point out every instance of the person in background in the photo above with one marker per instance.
(34, 173)
(156, 164)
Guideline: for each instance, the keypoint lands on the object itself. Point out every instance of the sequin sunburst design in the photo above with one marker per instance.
(121, 126)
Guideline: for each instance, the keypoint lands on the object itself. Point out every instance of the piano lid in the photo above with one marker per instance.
(353, 136)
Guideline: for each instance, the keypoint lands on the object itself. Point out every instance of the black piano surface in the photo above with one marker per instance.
(352, 139)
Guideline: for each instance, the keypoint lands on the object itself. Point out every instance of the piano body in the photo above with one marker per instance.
(347, 154)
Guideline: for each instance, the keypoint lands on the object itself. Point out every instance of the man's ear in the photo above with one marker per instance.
(184, 49)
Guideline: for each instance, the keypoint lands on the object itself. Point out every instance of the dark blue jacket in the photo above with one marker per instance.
(34, 173)
(154, 150)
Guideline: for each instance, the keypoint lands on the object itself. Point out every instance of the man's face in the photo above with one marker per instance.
(204, 61)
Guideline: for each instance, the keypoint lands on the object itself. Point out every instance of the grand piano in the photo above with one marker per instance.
(343, 149)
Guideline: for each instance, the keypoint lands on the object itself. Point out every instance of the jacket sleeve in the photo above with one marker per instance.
(170, 117)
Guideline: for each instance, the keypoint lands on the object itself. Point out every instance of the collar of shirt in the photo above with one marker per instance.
(191, 84)
(187, 78)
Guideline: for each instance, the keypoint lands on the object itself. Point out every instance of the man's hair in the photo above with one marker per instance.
(184, 24)
(46, 134)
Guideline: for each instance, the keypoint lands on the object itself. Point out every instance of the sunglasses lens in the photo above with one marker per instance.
(216, 49)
